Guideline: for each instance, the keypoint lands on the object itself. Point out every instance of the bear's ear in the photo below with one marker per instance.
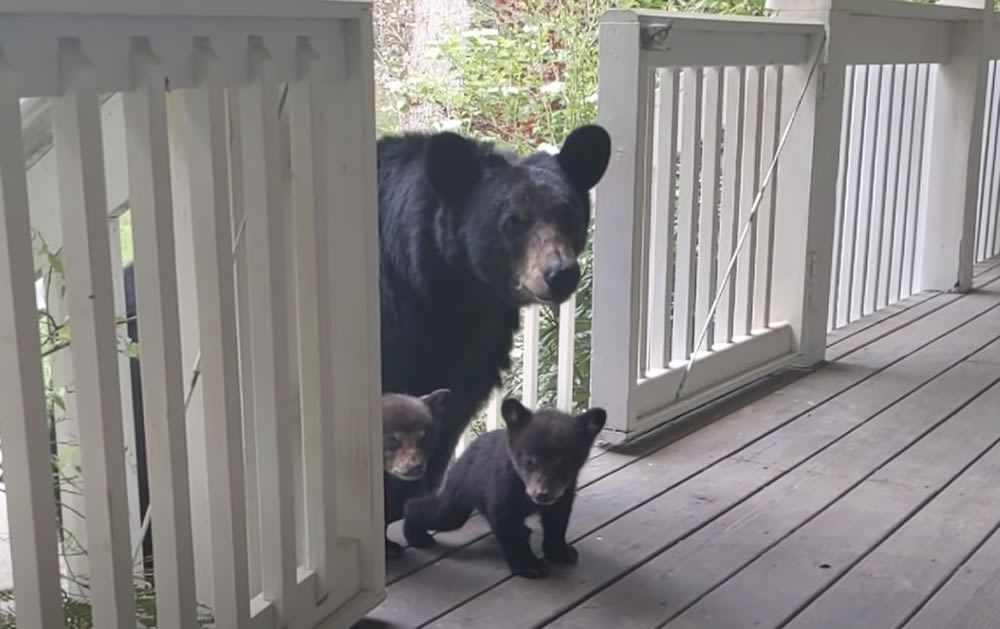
(584, 156)
(514, 413)
(593, 420)
(452, 165)
(437, 401)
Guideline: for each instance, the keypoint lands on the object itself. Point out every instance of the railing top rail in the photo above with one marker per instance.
(694, 22)
(287, 9)
(900, 9)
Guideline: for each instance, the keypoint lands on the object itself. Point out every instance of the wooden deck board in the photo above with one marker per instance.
(822, 425)
(695, 565)
(644, 505)
(891, 582)
(777, 583)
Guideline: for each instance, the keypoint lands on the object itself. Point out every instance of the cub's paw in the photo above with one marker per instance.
(392, 550)
(536, 569)
(418, 538)
(562, 554)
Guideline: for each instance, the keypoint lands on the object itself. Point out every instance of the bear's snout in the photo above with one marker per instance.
(562, 275)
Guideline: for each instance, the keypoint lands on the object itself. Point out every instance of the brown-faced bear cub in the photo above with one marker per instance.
(408, 429)
(510, 474)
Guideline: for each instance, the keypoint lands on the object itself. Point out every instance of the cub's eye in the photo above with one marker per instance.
(512, 225)
(529, 463)
(390, 441)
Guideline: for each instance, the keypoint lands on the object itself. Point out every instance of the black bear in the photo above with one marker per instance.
(469, 234)
(510, 474)
(407, 432)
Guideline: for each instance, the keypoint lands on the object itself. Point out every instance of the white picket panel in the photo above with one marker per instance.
(218, 155)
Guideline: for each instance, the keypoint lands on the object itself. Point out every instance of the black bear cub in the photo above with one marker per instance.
(408, 429)
(510, 474)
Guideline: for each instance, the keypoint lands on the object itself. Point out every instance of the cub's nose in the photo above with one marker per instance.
(562, 277)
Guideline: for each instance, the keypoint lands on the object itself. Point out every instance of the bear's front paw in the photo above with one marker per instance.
(561, 554)
(536, 569)
(418, 538)
(392, 550)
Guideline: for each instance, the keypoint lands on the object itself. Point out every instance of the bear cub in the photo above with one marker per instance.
(510, 474)
(408, 428)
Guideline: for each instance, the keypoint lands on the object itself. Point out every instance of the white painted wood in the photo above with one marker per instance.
(686, 278)
(617, 303)
(729, 213)
(24, 422)
(843, 180)
(190, 344)
(237, 193)
(358, 365)
(208, 177)
(989, 204)
(985, 160)
(655, 396)
(566, 357)
(771, 127)
(219, 8)
(645, 244)
(706, 48)
(666, 142)
(268, 344)
(916, 184)
(880, 40)
(83, 202)
(866, 192)
(159, 342)
(749, 180)
(311, 151)
(877, 208)
(852, 198)
(887, 263)
(125, 386)
(957, 127)
(993, 222)
(808, 170)
(708, 219)
(901, 193)
(493, 419)
(529, 356)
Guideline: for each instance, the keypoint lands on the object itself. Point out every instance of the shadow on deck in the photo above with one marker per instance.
(865, 494)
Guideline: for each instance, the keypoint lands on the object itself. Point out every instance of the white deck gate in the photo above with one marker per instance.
(878, 192)
(265, 488)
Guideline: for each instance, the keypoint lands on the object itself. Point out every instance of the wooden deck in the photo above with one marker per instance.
(863, 495)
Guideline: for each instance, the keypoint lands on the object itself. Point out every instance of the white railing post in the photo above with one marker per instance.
(807, 174)
(946, 253)
(623, 89)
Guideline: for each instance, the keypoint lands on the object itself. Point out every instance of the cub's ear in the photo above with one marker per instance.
(584, 156)
(593, 420)
(437, 401)
(514, 413)
(452, 165)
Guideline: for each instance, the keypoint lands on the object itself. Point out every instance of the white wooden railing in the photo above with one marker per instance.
(887, 186)
(265, 488)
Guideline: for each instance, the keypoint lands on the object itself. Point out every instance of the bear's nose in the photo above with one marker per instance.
(562, 277)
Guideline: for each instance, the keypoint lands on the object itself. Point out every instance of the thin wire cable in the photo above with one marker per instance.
(752, 218)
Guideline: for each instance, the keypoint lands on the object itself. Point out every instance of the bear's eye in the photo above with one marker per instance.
(512, 225)
(390, 441)
(529, 463)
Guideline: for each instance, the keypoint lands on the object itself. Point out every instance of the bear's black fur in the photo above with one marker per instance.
(468, 235)
(407, 432)
(510, 474)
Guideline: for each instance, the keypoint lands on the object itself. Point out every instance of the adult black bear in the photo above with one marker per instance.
(510, 474)
(469, 235)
